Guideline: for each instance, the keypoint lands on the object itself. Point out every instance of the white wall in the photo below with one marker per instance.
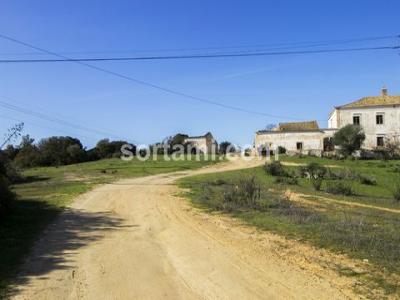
(311, 140)
(333, 119)
(205, 145)
(389, 128)
(199, 143)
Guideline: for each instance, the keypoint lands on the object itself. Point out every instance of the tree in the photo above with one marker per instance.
(226, 147)
(60, 150)
(349, 138)
(107, 149)
(10, 152)
(171, 141)
(28, 154)
(104, 148)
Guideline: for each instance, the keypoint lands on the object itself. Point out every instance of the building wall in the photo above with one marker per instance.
(333, 119)
(389, 128)
(199, 143)
(311, 140)
(204, 144)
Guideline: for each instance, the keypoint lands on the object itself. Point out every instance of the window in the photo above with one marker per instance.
(379, 141)
(379, 119)
(299, 146)
(356, 120)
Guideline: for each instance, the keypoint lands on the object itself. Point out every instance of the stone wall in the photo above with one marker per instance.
(389, 128)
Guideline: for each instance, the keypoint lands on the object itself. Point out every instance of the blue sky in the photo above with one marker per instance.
(300, 86)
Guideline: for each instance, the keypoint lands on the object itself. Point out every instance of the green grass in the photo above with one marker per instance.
(386, 173)
(48, 190)
(361, 233)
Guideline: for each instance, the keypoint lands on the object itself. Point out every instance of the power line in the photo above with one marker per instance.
(197, 56)
(276, 46)
(45, 127)
(154, 86)
(55, 120)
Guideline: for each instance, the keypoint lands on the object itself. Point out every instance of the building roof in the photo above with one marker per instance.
(382, 100)
(298, 126)
(294, 127)
(208, 134)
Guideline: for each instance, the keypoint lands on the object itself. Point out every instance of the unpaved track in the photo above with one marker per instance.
(137, 239)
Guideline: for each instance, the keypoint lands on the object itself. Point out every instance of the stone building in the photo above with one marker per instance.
(295, 137)
(379, 116)
(204, 144)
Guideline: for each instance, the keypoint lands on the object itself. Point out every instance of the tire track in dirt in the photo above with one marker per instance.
(137, 240)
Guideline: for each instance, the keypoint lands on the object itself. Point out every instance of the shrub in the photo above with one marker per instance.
(247, 152)
(317, 183)
(226, 147)
(289, 180)
(281, 150)
(339, 188)
(333, 175)
(313, 171)
(367, 180)
(245, 194)
(348, 173)
(396, 169)
(396, 193)
(275, 169)
(219, 181)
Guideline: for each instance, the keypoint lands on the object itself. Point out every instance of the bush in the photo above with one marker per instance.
(348, 173)
(286, 180)
(317, 183)
(367, 180)
(313, 171)
(333, 175)
(226, 147)
(281, 150)
(245, 194)
(396, 193)
(8, 170)
(339, 188)
(353, 175)
(275, 169)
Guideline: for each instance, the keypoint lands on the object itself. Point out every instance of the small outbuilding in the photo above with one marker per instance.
(205, 144)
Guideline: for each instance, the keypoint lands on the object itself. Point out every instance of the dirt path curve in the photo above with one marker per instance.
(303, 198)
(136, 239)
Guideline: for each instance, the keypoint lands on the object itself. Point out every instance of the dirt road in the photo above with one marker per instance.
(137, 239)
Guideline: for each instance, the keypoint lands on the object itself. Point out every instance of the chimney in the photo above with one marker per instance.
(384, 91)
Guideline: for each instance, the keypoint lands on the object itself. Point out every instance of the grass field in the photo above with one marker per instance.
(355, 225)
(47, 191)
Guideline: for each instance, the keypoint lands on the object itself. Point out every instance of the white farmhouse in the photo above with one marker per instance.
(379, 116)
(204, 144)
